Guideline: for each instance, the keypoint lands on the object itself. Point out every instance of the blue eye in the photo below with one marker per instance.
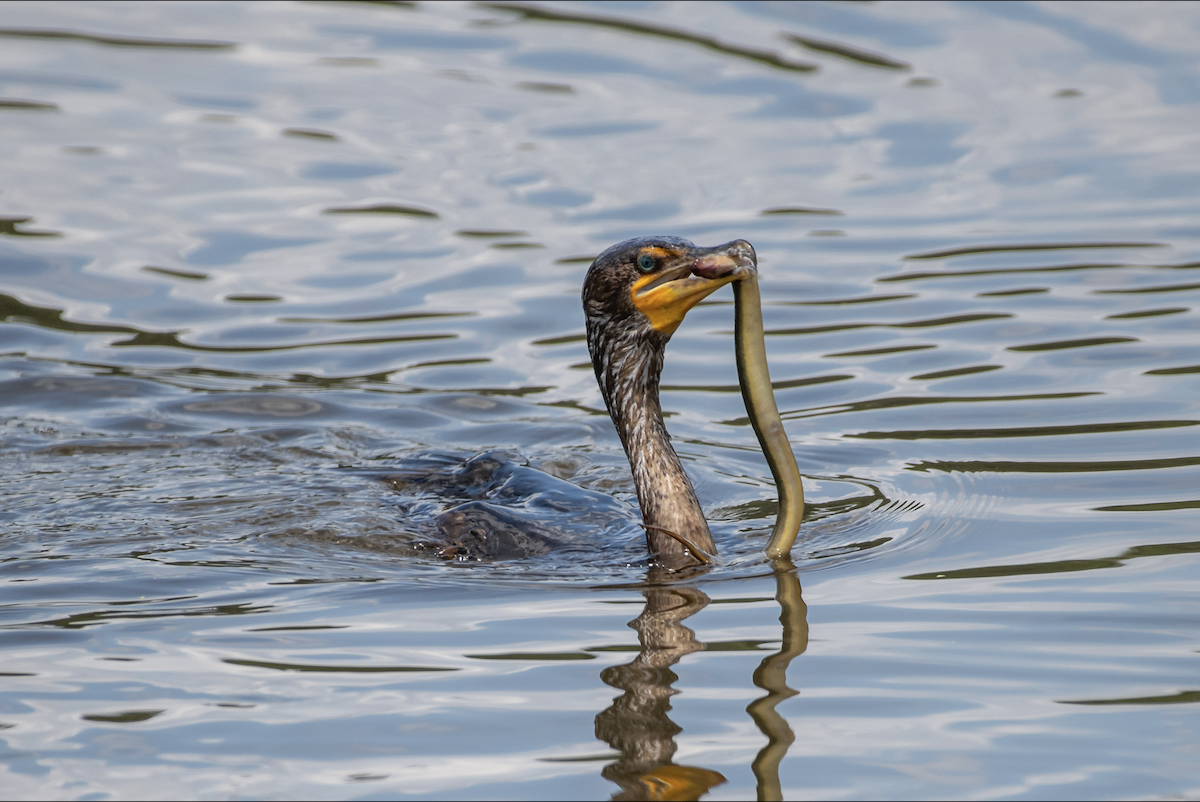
(645, 263)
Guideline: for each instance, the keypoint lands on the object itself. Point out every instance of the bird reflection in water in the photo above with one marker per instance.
(637, 724)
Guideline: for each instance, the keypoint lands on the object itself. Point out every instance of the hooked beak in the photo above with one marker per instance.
(666, 296)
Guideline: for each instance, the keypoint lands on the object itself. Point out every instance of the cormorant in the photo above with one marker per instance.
(635, 295)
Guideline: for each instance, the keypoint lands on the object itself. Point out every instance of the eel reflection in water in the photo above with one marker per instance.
(635, 295)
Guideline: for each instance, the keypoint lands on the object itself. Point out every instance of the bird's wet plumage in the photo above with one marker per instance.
(502, 508)
(634, 296)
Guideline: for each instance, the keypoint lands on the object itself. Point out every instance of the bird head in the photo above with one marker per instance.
(649, 284)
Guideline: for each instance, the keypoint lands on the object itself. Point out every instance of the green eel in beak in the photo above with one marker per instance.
(755, 380)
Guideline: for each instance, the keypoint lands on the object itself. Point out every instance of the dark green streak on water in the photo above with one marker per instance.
(1055, 467)
(779, 385)
(1061, 345)
(999, 271)
(1026, 431)
(566, 339)
(9, 225)
(894, 349)
(1173, 371)
(384, 208)
(1064, 566)
(298, 628)
(1174, 310)
(1007, 293)
(16, 311)
(252, 298)
(866, 299)
(1051, 246)
(949, 320)
(83, 620)
(542, 86)
(542, 14)
(479, 233)
(170, 339)
(128, 717)
(27, 105)
(311, 133)
(1027, 569)
(911, 401)
(956, 372)
(327, 669)
(115, 41)
(1157, 506)
(1144, 290)
(189, 275)
(394, 318)
(782, 210)
(1183, 697)
(847, 52)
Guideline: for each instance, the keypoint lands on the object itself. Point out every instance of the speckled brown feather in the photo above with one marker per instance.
(627, 355)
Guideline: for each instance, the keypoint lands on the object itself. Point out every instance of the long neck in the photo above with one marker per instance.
(628, 370)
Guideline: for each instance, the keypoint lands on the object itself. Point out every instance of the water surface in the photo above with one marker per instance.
(282, 284)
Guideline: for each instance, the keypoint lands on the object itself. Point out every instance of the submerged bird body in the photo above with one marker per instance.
(635, 295)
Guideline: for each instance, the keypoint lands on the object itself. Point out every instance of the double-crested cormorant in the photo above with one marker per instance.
(635, 296)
